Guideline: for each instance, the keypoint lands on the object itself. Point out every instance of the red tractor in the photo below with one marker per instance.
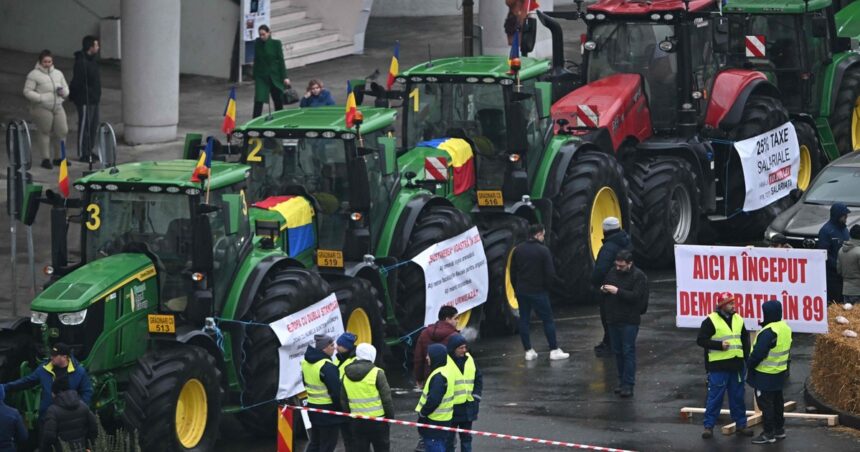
(657, 95)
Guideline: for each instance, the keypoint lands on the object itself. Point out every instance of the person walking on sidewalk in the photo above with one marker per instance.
(625, 290)
(468, 385)
(86, 92)
(46, 89)
(532, 275)
(436, 405)
(437, 333)
(725, 341)
(768, 364)
(270, 71)
(615, 239)
(848, 265)
(322, 383)
(366, 392)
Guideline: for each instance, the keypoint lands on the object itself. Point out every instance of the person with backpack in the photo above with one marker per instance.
(67, 420)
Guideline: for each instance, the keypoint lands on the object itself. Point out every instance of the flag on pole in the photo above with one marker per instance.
(204, 162)
(230, 113)
(350, 106)
(395, 66)
(515, 47)
(63, 180)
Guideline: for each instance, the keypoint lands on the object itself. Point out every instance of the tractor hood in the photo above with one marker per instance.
(848, 21)
(92, 282)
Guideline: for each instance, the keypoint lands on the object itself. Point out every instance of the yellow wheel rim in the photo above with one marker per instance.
(605, 205)
(191, 413)
(463, 319)
(804, 174)
(855, 125)
(510, 295)
(359, 325)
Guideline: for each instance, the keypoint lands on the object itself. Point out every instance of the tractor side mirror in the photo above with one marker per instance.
(529, 37)
(819, 26)
(202, 256)
(359, 185)
(191, 149)
(30, 204)
(544, 98)
(721, 34)
(389, 154)
(234, 214)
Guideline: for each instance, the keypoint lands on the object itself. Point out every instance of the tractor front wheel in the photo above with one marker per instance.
(811, 156)
(361, 310)
(845, 119)
(174, 400)
(500, 234)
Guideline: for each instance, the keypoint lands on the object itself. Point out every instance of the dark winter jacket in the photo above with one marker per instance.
(356, 372)
(86, 86)
(12, 430)
(466, 412)
(706, 332)
(848, 264)
(437, 333)
(614, 242)
(766, 340)
(631, 301)
(321, 100)
(70, 421)
(533, 270)
(331, 378)
(438, 385)
(44, 374)
(832, 234)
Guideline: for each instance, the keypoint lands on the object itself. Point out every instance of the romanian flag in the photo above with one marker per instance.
(63, 180)
(350, 106)
(515, 47)
(460, 158)
(298, 216)
(230, 113)
(201, 171)
(395, 66)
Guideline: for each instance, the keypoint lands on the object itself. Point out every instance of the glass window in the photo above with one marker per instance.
(225, 248)
(835, 184)
(782, 49)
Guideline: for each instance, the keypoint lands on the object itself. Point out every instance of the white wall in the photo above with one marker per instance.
(400, 8)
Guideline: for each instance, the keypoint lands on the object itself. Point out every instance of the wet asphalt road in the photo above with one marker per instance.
(572, 400)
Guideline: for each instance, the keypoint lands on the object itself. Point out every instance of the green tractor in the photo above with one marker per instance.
(804, 47)
(165, 303)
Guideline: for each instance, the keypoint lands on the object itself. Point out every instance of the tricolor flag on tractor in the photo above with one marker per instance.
(63, 179)
(460, 158)
(350, 106)
(230, 113)
(298, 216)
(515, 47)
(204, 162)
(395, 66)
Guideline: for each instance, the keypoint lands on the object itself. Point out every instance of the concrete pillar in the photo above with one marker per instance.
(491, 16)
(150, 69)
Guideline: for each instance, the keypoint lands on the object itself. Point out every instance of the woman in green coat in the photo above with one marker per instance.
(270, 72)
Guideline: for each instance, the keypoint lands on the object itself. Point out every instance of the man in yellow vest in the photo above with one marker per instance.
(726, 343)
(768, 364)
(366, 392)
(345, 355)
(468, 385)
(436, 405)
(322, 383)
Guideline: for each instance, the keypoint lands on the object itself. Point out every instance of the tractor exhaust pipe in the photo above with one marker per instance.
(557, 41)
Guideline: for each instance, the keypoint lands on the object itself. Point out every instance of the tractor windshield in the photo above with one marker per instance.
(634, 48)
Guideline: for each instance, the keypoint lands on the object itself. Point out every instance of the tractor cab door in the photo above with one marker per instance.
(704, 58)
(229, 232)
(381, 182)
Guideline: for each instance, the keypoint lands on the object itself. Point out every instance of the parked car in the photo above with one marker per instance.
(837, 182)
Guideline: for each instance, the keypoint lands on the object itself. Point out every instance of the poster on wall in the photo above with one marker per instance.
(256, 13)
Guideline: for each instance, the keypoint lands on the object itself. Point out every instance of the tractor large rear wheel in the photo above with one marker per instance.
(174, 400)
(664, 198)
(500, 235)
(845, 120)
(361, 310)
(283, 292)
(592, 190)
(434, 224)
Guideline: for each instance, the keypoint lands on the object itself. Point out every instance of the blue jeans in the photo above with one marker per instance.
(622, 338)
(465, 438)
(434, 444)
(718, 384)
(540, 303)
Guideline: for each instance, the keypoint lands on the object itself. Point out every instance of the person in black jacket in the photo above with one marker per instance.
(67, 420)
(614, 240)
(768, 371)
(434, 394)
(465, 413)
(12, 430)
(830, 237)
(625, 291)
(532, 275)
(86, 92)
(325, 428)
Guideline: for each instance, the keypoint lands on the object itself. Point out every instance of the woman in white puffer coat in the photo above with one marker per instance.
(46, 88)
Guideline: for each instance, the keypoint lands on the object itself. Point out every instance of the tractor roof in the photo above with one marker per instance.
(625, 7)
(141, 175)
(479, 66)
(774, 6)
(321, 119)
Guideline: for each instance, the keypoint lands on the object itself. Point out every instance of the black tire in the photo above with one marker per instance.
(15, 348)
(841, 121)
(571, 243)
(434, 224)
(664, 198)
(356, 295)
(152, 397)
(283, 292)
(807, 137)
(500, 235)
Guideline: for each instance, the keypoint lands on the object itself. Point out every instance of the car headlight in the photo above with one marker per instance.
(769, 233)
(38, 318)
(73, 318)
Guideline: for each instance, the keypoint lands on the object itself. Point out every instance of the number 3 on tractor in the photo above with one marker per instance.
(94, 221)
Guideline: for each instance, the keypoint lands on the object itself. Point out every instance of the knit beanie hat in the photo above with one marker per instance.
(366, 351)
(346, 340)
(611, 224)
(322, 341)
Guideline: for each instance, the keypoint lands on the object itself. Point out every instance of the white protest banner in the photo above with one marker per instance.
(455, 272)
(770, 162)
(794, 277)
(295, 332)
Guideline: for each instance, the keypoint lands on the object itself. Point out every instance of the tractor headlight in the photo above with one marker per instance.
(73, 318)
(39, 318)
(666, 45)
(590, 45)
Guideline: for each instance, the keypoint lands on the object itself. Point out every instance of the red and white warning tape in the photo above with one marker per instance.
(458, 430)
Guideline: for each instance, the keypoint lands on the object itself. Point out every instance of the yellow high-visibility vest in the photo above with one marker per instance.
(777, 358)
(464, 382)
(445, 411)
(362, 395)
(723, 333)
(341, 366)
(316, 389)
